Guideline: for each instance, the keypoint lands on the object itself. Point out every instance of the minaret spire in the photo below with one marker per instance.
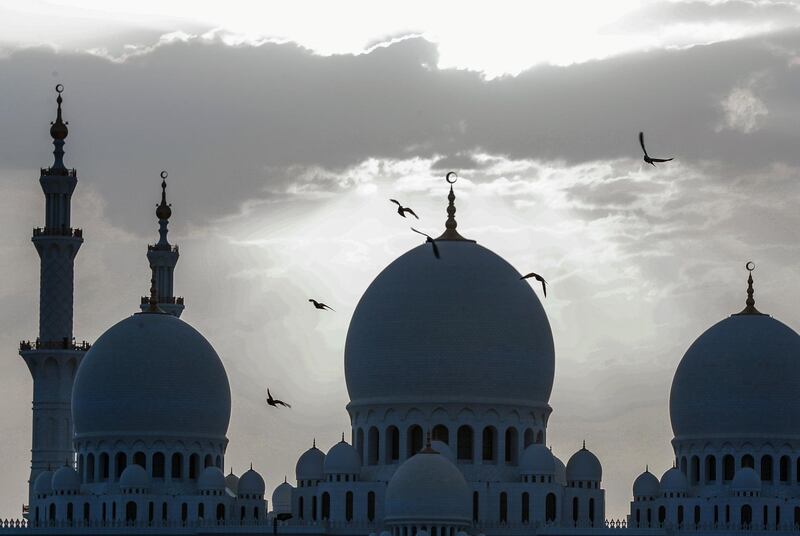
(450, 225)
(750, 302)
(54, 356)
(163, 257)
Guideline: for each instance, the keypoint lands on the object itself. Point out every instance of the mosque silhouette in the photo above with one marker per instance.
(449, 363)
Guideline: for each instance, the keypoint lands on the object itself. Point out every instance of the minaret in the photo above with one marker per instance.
(53, 358)
(163, 257)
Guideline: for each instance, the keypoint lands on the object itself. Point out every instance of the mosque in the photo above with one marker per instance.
(449, 363)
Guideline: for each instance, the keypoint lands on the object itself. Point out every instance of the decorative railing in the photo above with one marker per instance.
(58, 231)
(64, 344)
(156, 247)
(173, 300)
(58, 172)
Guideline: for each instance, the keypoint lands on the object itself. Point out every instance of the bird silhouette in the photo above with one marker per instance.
(647, 158)
(538, 278)
(402, 210)
(432, 242)
(274, 402)
(320, 305)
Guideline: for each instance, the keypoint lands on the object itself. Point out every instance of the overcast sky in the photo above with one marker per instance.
(286, 131)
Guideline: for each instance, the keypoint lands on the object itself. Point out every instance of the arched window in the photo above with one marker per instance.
(511, 446)
(694, 478)
(766, 468)
(489, 444)
(373, 446)
(747, 516)
(765, 518)
(797, 516)
(220, 512)
(503, 507)
(130, 512)
(70, 512)
(184, 512)
(777, 516)
(360, 444)
(326, 506)
(242, 513)
(464, 447)
(591, 512)
(120, 462)
(176, 470)
(301, 508)
(81, 466)
(208, 461)
(441, 433)
(414, 440)
(728, 467)
(140, 459)
(201, 511)
(348, 506)
(711, 469)
(105, 515)
(475, 506)
(194, 462)
(684, 466)
(104, 469)
(747, 461)
(662, 515)
(151, 511)
(52, 512)
(528, 439)
(314, 508)
(90, 468)
(680, 515)
(575, 510)
(164, 511)
(540, 437)
(158, 465)
(526, 507)
(114, 511)
(785, 468)
(218, 461)
(87, 512)
(649, 517)
(696, 515)
(638, 518)
(255, 512)
(371, 506)
(392, 444)
(550, 507)
(727, 513)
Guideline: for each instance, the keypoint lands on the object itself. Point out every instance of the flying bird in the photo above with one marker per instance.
(402, 210)
(647, 158)
(274, 402)
(538, 278)
(431, 240)
(320, 305)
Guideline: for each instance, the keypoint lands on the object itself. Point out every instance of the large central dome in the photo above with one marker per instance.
(461, 328)
(151, 375)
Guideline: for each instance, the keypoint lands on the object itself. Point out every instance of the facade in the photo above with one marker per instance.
(449, 364)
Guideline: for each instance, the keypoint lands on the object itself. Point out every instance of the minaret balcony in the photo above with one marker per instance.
(166, 247)
(58, 231)
(171, 300)
(63, 344)
(58, 172)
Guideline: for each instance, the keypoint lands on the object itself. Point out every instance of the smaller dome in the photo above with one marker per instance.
(251, 483)
(537, 460)
(232, 482)
(134, 476)
(310, 465)
(428, 488)
(282, 498)
(561, 471)
(584, 465)
(343, 459)
(66, 479)
(444, 449)
(646, 485)
(43, 485)
(746, 479)
(674, 481)
(211, 479)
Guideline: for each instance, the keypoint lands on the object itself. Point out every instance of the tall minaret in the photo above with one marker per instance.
(163, 257)
(53, 358)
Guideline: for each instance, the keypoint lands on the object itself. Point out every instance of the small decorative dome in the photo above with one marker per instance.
(674, 481)
(537, 460)
(134, 476)
(282, 498)
(310, 465)
(444, 449)
(251, 483)
(561, 471)
(211, 479)
(428, 488)
(151, 375)
(342, 458)
(584, 465)
(646, 485)
(746, 479)
(232, 482)
(43, 485)
(66, 479)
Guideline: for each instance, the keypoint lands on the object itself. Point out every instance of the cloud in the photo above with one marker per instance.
(744, 111)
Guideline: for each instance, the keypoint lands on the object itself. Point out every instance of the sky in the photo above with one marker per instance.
(285, 135)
